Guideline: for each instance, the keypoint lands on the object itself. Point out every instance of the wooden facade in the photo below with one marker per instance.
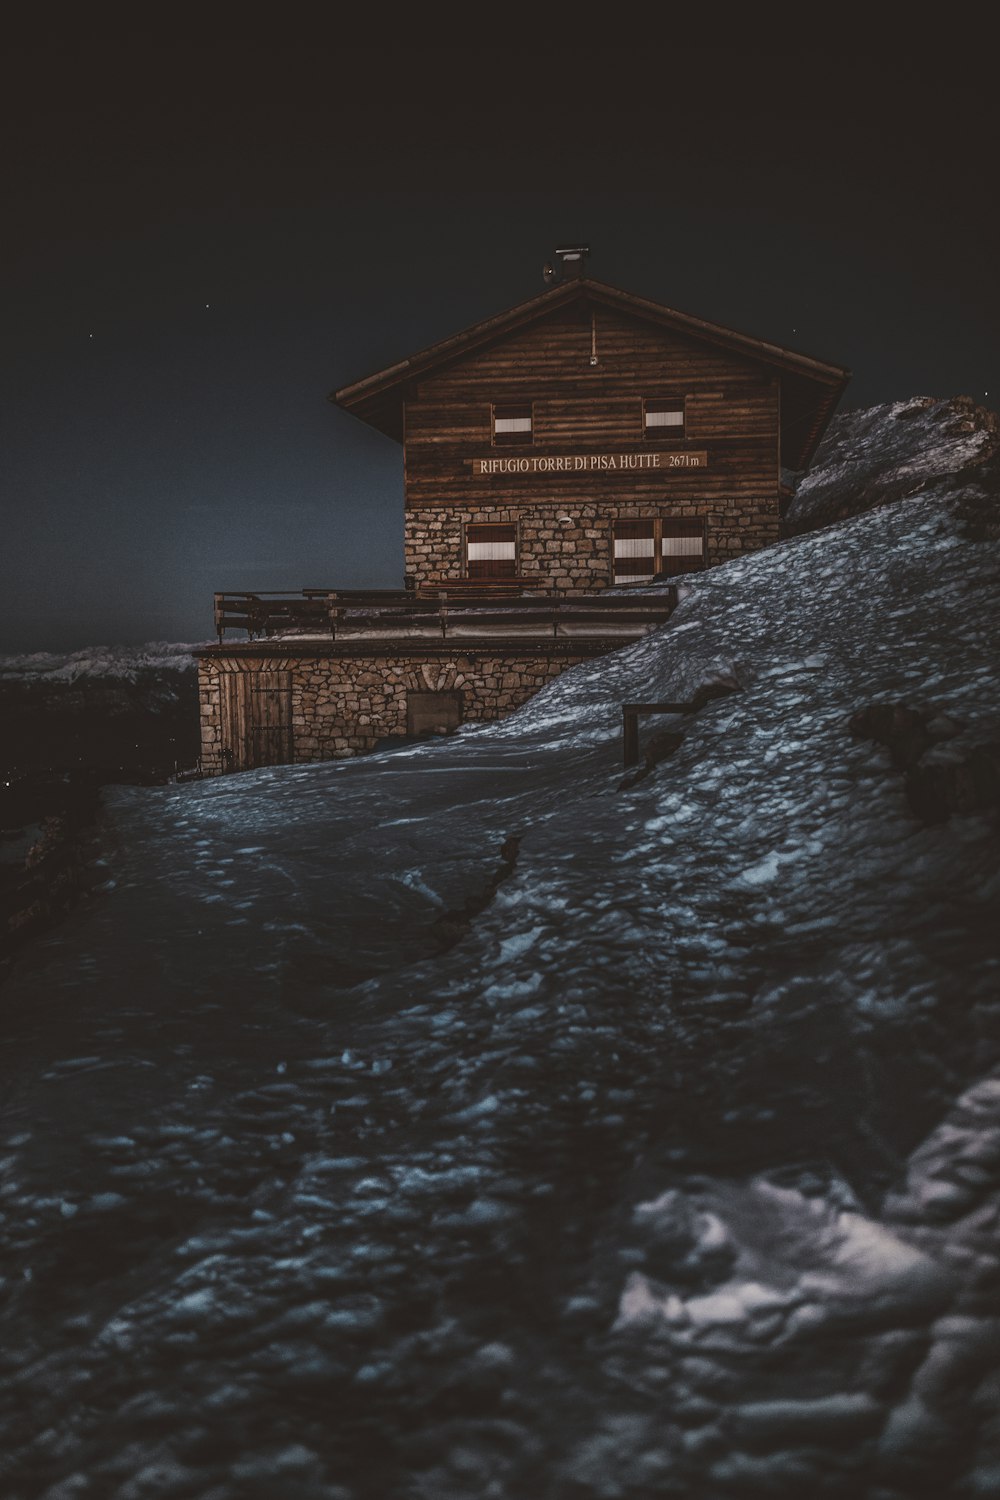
(584, 439)
(584, 410)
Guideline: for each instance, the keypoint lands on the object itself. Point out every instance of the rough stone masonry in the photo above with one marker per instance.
(343, 705)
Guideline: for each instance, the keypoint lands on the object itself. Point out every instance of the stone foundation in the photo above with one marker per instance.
(342, 706)
(574, 557)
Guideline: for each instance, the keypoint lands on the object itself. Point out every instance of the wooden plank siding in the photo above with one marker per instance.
(731, 412)
(554, 352)
(810, 387)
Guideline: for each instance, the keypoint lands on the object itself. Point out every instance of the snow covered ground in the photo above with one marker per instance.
(451, 1123)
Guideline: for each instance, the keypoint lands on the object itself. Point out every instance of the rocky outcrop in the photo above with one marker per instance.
(943, 774)
(891, 452)
(69, 724)
(43, 867)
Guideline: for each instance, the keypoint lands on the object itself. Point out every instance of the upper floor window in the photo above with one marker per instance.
(663, 417)
(512, 422)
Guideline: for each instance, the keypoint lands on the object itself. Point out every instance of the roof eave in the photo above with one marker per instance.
(800, 457)
(376, 392)
(464, 341)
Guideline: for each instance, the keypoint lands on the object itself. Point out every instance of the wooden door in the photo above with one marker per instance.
(256, 719)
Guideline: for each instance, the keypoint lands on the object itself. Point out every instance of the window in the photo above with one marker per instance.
(642, 549)
(635, 551)
(682, 546)
(491, 551)
(512, 422)
(663, 417)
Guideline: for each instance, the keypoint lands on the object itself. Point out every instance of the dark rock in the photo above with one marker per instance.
(46, 819)
(967, 785)
(710, 691)
(903, 730)
(966, 782)
(888, 453)
(125, 731)
(977, 507)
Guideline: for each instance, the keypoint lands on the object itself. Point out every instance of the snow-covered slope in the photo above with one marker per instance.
(887, 453)
(452, 1123)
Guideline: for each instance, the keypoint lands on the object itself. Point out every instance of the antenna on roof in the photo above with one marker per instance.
(570, 261)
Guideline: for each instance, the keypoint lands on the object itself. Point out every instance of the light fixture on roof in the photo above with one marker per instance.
(570, 261)
(572, 258)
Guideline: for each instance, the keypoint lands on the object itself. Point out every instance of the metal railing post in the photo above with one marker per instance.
(630, 724)
(630, 734)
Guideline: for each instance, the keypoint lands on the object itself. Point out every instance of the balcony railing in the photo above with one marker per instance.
(454, 611)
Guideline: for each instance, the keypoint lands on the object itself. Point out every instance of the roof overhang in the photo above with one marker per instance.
(810, 387)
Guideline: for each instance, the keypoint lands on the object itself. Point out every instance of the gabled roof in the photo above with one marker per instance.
(810, 388)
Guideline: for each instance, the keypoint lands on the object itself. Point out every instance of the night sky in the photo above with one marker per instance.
(203, 242)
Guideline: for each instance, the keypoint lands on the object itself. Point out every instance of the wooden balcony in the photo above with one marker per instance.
(466, 610)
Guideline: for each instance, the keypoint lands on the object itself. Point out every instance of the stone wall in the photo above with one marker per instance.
(575, 556)
(342, 705)
(210, 709)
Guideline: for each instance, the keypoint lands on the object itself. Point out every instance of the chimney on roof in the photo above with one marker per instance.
(570, 262)
(572, 259)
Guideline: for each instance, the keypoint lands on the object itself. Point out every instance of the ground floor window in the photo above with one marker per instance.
(682, 546)
(644, 548)
(491, 551)
(635, 551)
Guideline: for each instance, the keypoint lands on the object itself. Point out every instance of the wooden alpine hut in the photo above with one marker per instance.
(585, 440)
